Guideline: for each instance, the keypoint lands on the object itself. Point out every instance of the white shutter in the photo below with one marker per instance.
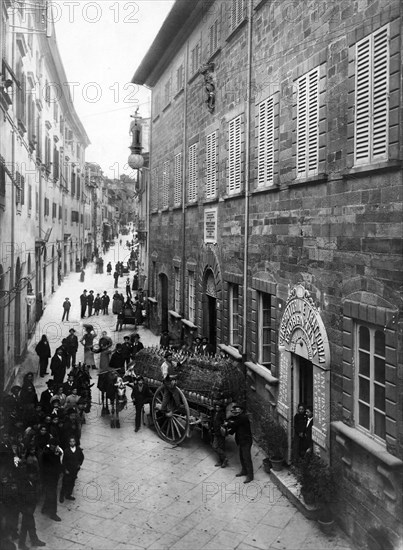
(192, 183)
(265, 156)
(237, 13)
(313, 122)
(165, 185)
(362, 101)
(178, 179)
(154, 190)
(308, 124)
(234, 155)
(211, 165)
(372, 98)
(380, 100)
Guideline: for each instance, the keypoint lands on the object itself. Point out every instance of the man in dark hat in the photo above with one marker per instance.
(141, 395)
(46, 396)
(118, 360)
(58, 366)
(69, 385)
(71, 347)
(137, 345)
(72, 460)
(90, 302)
(51, 467)
(239, 425)
(83, 302)
(28, 500)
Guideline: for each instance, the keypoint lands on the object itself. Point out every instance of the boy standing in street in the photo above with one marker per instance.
(66, 309)
(72, 460)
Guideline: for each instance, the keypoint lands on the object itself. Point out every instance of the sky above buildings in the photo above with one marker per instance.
(101, 43)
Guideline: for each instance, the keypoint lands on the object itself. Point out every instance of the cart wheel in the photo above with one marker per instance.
(172, 426)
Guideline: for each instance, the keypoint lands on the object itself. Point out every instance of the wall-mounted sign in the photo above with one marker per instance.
(210, 225)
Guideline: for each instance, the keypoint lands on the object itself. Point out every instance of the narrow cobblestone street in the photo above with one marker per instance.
(135, 491)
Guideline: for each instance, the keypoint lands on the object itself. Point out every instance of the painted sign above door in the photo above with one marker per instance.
(302, 330)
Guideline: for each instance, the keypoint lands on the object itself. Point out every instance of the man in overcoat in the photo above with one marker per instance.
(71, 347)
(83, 302)
(239, 425)
(58, 367)
(72, 460)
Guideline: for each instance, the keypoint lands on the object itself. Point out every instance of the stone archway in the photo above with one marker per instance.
(304, 363)
(209, 301)
(210, 304)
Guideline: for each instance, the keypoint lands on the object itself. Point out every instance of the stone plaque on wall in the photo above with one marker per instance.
(210, 225)
(320, 408)
(282, 401)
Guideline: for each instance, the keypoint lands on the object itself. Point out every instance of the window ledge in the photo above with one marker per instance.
(189, 324)
(174, 314)
(318, 178)
(166, 107)
(156, 118)
(193, 77)
(236, 30)
(210, 201)
(387, 165)
(239, 195)
(263, 372)
(152, 300)
(373, 447)
(179, 92)
(229, 350)
(192, 204)
(214, 54)
(268, 189)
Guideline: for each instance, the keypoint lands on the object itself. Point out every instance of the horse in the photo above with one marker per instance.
(112, 388)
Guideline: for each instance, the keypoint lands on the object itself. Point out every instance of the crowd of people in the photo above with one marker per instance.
(39, 444)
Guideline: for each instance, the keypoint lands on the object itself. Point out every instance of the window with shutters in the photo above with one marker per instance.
(167, 91)
(157, 105)
(192, 179)
(264, 328)
(165, 185)
(73, 182)
(371, 98)
(177, 304)
(47, 93)
(213, 37)
(211, 165)
(234, 155)
(178, 180)
(154, 190)
(191, 297)
(233, 314)
(195, 59)
(54, 210)
(46, 207)
(180, 78)
(29, 197)
(55, 163)
(22, 183)
(308, 124)
(370, 401)
(21, 95)
(78, 187)
(60, 212)
(265, 148)
(2, 179)
(18, 188)
(237, 13)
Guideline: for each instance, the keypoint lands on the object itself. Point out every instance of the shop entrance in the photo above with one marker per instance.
(210, 309)
(164, 301)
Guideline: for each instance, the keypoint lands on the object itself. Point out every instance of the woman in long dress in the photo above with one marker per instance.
(87, 341)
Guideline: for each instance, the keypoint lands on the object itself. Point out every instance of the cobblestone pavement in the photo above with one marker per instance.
(135, 491)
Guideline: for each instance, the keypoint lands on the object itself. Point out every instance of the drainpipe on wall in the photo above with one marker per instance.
(247, 170)
(185, 91)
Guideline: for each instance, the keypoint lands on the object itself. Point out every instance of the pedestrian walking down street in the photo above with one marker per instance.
(82, 276)
(66, 309)
(28, 500)
(116, 278)
(239, 425)
(141, 395)
(88, 341)
(42, 349)
(85, 261)
(83, 302)
(71, 347)
(90, 302)
(97, 304)
(105, 303)
(72, 460)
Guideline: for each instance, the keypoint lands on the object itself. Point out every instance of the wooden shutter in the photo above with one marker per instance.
(265, 156)
(308, 124)
(154, 190)
(165, 184)
(211, 165)
(213, 37)
(234, 155)
(237, 13)
(372, 98)
(192, 184)
(178, 179)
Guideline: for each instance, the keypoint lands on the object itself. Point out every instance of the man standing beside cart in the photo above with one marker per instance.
(239, 425)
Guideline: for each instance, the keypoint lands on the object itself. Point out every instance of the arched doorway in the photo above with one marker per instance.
(164, 301)
(210, 307)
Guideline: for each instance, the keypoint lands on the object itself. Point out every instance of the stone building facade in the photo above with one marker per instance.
(275, 224)
(42, 155)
